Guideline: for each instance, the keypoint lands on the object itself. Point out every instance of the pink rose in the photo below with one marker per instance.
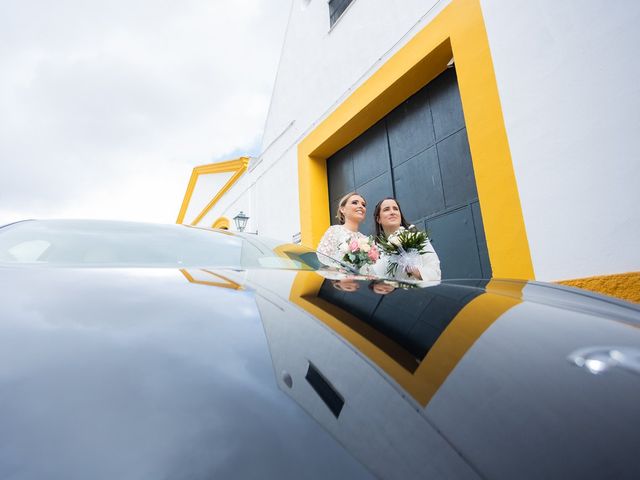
(374, 254)
(353, 246)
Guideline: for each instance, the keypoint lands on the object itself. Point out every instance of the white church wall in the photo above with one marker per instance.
(567, 74)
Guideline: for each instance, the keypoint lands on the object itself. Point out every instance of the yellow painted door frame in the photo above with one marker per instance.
(457, 32)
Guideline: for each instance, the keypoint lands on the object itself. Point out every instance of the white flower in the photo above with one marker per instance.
(344, 247)
(394, 240)
(365, 248)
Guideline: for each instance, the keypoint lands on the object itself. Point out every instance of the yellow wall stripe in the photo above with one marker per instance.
(622, 285)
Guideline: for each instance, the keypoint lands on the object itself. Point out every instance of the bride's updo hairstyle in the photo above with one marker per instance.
(343, 202)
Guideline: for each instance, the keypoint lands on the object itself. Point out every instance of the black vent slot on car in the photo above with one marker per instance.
(323, 388)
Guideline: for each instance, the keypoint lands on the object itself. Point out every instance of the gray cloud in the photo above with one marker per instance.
(106, 106)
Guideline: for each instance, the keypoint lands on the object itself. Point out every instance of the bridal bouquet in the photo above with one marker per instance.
(359, 251)
(404, 248)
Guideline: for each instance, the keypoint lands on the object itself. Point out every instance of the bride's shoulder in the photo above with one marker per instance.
(333, 233)
(334, 230)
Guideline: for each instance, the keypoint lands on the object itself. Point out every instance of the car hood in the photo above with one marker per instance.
(164, 373)
(131, 373)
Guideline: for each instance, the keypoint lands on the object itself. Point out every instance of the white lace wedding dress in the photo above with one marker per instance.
(429, 266)
(332, 239)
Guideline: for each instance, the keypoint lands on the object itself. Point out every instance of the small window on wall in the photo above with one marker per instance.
(337, 8)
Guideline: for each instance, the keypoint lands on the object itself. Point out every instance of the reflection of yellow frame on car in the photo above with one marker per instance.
(292, 252)
(457, 32)
(191, 275)
(422, 380)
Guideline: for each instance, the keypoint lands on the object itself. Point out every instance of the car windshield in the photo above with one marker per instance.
(127, 244)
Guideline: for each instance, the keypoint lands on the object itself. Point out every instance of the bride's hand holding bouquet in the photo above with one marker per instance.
(404, 248)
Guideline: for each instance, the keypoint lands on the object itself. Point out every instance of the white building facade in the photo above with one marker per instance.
(507, 129)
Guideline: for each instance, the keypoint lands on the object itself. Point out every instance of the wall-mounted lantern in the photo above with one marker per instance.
(241, 221)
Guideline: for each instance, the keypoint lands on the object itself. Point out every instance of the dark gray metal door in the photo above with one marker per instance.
(419, 153)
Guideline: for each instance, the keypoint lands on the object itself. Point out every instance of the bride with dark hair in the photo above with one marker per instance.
(388, 217)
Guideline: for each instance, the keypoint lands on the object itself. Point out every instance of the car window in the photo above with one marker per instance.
(29, 250)
(292, 255)
(115, 244)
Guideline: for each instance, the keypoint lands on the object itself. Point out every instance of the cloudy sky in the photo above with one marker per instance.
(106, 106)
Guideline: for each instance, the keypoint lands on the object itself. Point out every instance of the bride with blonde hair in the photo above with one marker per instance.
(352, 209)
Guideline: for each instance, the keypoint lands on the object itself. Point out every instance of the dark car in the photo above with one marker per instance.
(139, 351)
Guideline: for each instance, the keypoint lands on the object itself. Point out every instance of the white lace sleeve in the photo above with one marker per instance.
(331, 241)
(430, 264)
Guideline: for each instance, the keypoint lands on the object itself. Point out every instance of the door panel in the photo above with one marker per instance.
(456, 168)
(419, 153)
(418, 185)
(446, 107)
(454, 239)
(481, 239)
(340, 174)
(410, 128)
(370, 154)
